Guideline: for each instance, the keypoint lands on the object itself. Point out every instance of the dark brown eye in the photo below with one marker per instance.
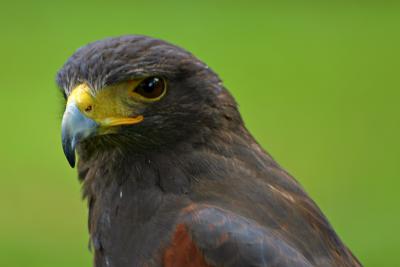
(151, 88)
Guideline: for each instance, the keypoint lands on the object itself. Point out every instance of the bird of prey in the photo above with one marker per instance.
(171, 175)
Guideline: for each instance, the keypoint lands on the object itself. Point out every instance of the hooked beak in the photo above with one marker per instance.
(88, 115)
(75, 128)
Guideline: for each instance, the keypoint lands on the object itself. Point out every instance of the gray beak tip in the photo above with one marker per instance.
(68, 144)
(71, 160)
(69, 153)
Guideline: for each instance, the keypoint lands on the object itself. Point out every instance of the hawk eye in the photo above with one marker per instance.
(151, 88)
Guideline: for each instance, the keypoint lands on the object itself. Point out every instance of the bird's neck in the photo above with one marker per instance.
(173, 169)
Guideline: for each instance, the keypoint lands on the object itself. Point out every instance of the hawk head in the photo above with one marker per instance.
(139, 93)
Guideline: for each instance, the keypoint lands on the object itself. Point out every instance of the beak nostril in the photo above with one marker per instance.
(88, 108)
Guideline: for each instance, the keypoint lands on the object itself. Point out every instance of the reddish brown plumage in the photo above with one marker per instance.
(183, 252)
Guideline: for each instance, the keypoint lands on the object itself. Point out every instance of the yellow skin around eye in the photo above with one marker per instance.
(108, 107)
(138, 97)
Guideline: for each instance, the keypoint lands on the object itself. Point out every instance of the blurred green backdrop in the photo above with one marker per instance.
(318, 85)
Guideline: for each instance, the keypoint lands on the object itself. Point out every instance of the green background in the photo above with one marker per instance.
(317, 84)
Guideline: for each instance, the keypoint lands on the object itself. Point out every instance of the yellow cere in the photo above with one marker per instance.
(108, 106)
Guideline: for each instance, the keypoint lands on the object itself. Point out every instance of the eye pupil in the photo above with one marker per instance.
(151, 87)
